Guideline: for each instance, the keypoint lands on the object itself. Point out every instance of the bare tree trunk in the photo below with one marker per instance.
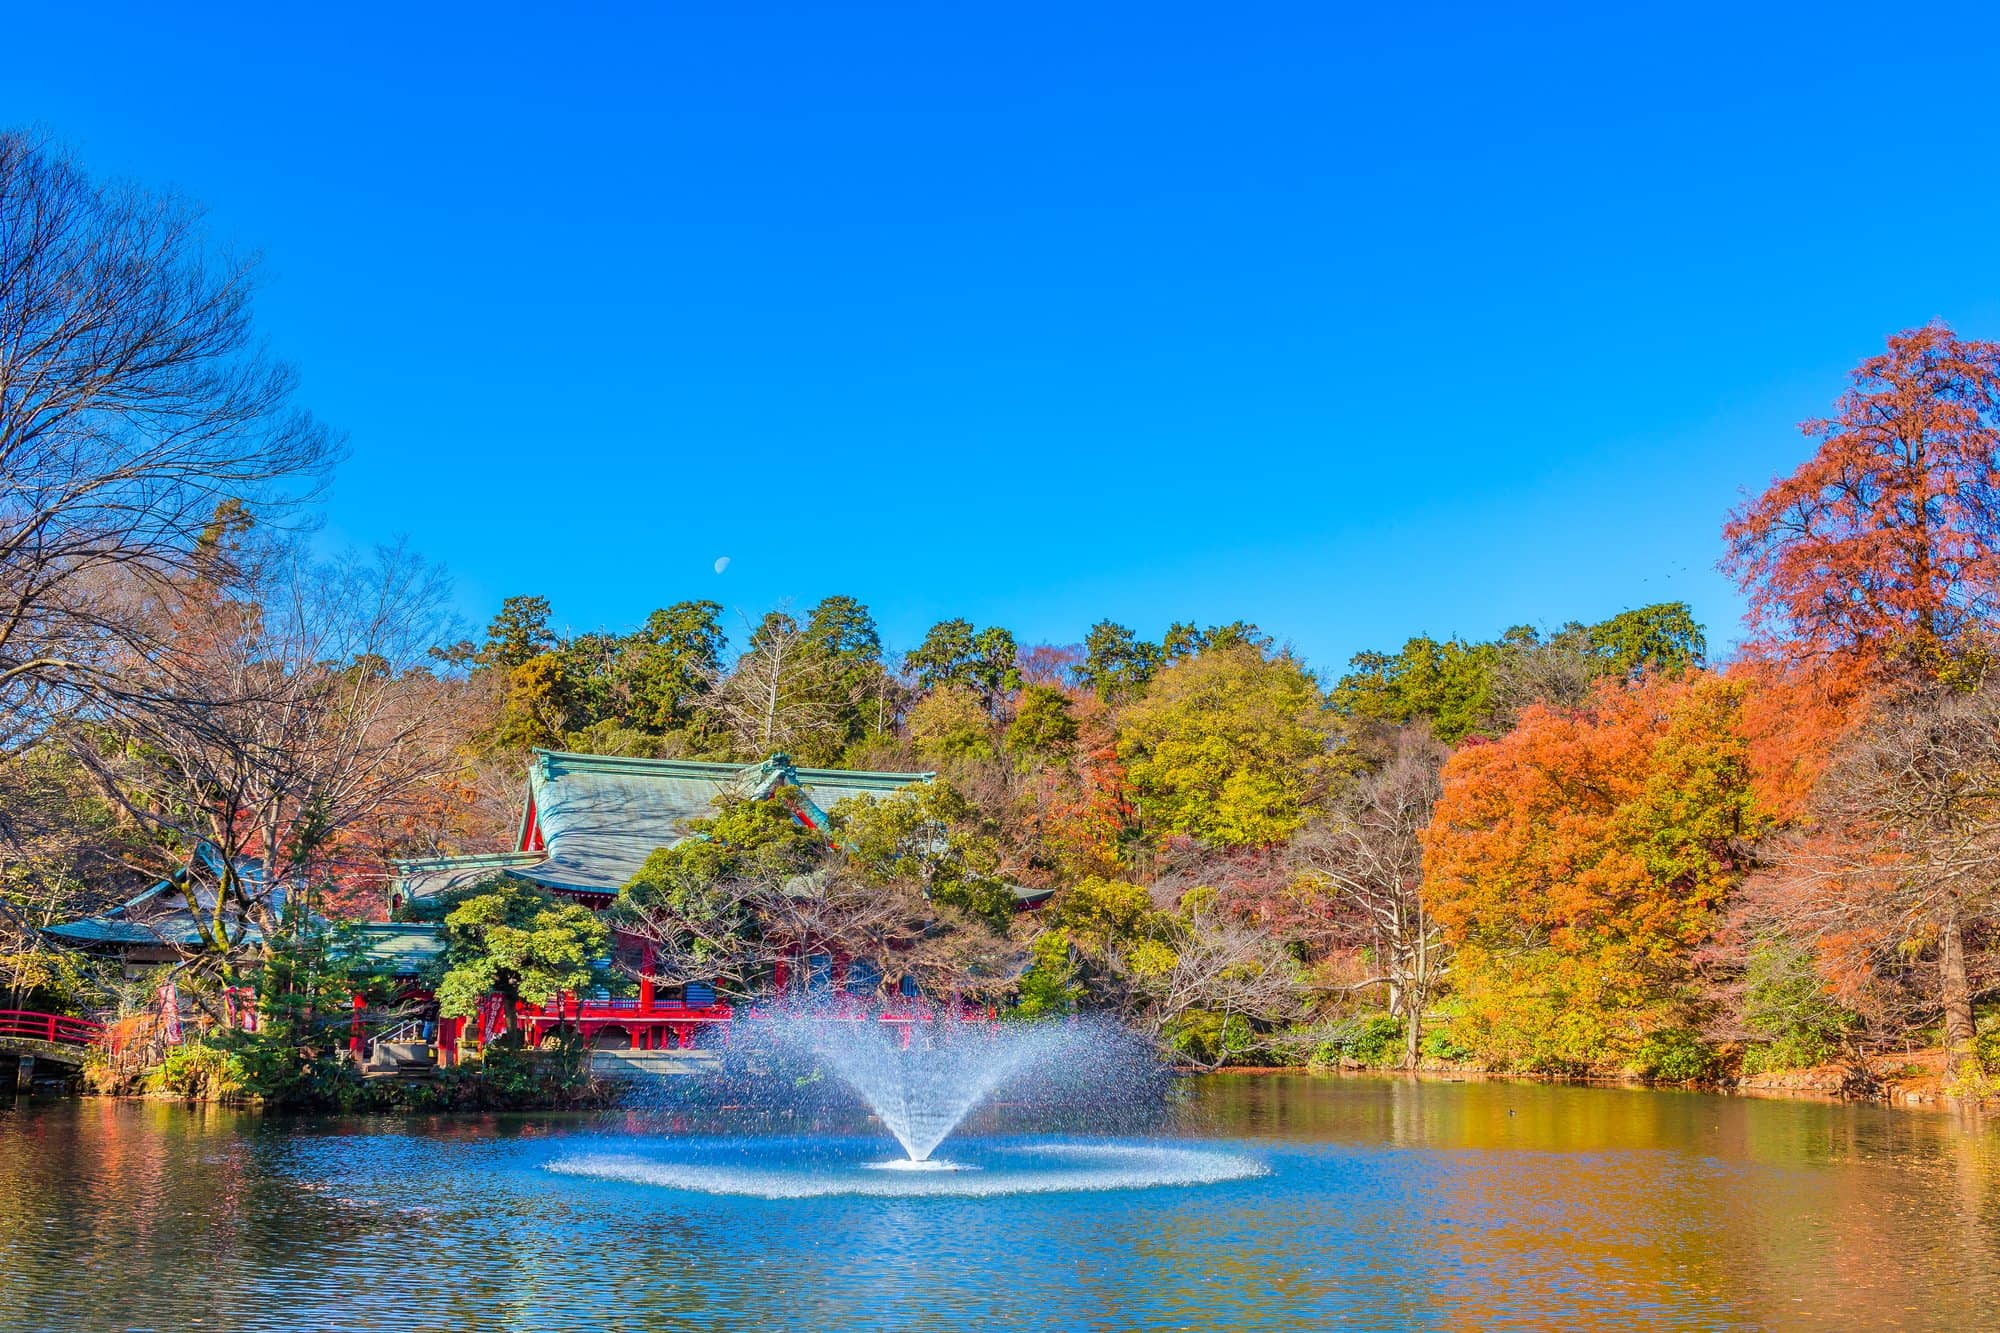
(1956, 990)
(1414, 1022)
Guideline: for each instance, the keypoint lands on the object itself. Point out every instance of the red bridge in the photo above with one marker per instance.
(56, 1029)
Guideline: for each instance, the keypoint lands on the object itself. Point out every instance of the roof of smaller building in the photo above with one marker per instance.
(600, 816)
(160, 915)
(402, 947)
(432, 876)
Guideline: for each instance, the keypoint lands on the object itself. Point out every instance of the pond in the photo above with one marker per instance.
(1366, 1203)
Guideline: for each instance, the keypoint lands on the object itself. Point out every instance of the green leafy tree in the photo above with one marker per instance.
(845, 632)
(951, 724)
(845, 629)
(305, 984)
(1664, 637)
(521, 631)
(543, 703)
(1230, 747)
(666, 669)
(1463, 688)
(954, 654)
(1044, 728)
(944, 657)
(708, 903)
(1116, 662)
(926, 836)
(519, 942)
(1185, 639)
(1448, 685)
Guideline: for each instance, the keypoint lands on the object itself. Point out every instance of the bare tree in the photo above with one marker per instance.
(783, 693)
(1365, 857)
(1221, 964)
(285, 733)
(134, 402)
(732, 930)
(1902, 856)
(1558, 671)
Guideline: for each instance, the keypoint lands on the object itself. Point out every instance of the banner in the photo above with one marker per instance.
(170, 1013)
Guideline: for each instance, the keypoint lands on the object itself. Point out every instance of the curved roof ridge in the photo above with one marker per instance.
(711, 768)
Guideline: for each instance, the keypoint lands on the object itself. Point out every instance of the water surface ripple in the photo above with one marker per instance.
(1294, 1204)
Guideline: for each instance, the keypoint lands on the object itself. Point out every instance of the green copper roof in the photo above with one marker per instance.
(160, 915)
(430, 876)
(402, 947)
(601, 816)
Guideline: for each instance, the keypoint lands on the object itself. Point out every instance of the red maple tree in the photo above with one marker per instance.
(1883, 548)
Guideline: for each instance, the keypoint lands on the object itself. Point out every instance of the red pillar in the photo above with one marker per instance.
(646, 979)
(354, 1026)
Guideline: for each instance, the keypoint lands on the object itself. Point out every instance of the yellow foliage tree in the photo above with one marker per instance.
(1229, 747)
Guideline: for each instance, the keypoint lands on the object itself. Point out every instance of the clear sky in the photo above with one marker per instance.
(1354, 324)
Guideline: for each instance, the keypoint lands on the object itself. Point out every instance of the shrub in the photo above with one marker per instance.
(1377, 1042)
(1986, 1046)
(1207, 1038)
(199, 1072)
(1373, 1040)
(1437, 1044)
(1786, 1004)
(1677, 1055)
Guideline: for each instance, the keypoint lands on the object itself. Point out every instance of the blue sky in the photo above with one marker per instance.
(1357, 325)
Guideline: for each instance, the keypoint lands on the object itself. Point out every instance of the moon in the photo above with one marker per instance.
(721, 564)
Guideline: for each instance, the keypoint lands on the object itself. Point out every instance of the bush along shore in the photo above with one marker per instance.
(503, 1078)
(1916, 1076)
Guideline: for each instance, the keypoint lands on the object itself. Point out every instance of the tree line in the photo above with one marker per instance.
(1591, 848)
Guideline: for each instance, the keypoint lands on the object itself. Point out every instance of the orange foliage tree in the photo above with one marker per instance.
(1082, 809)
(1576, 863)
(1873, 573)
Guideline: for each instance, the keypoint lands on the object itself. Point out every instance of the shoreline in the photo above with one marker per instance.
(1825, 1083)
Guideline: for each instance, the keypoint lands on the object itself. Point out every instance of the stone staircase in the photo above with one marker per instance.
(627, 1066)
(400, 1059)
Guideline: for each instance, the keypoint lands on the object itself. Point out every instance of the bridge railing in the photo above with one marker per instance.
(61, 1029)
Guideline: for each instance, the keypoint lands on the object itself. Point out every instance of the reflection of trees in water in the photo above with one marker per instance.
(1476, 1205)
(1529, 1197)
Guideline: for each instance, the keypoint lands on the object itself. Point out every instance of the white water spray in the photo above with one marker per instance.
(922, 1076)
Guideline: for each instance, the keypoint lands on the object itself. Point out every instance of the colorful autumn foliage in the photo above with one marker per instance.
(1576, 862)
(1884, 546)
(1630, 855)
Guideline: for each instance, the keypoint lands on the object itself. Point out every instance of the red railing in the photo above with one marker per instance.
(58, 1028)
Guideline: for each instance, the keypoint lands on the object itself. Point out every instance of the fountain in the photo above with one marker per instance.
(922, 1073)
(921, 1076)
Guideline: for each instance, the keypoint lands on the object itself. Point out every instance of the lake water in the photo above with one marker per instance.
(1365, 1203)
